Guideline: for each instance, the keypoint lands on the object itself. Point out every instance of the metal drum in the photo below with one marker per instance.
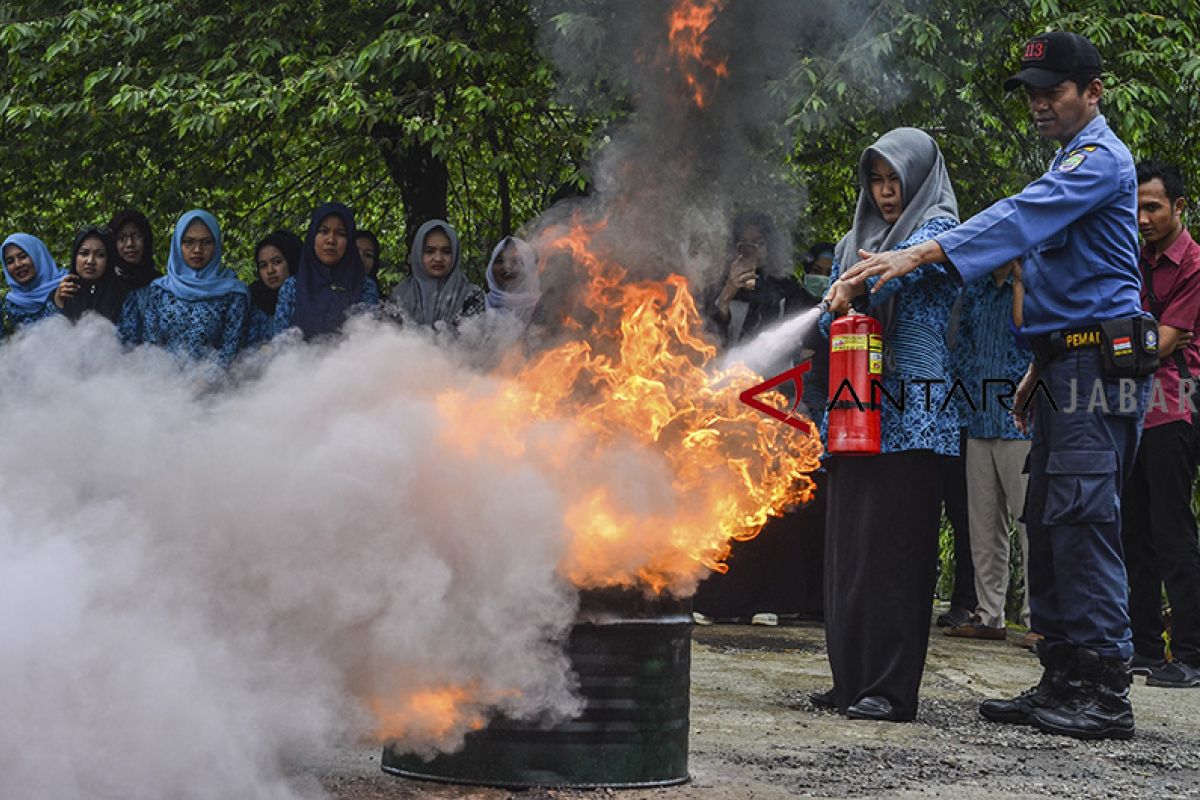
(633, 660)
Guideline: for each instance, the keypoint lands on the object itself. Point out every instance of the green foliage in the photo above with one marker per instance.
(259, 111)
(940, 66)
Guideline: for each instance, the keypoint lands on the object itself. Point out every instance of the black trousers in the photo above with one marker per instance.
(779, 570)
(880, 570)
(1160, 540)
(955, 499)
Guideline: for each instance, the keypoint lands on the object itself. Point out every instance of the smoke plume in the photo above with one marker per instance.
(706, 138)
(196, 583)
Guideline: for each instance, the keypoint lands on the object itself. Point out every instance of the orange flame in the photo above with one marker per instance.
(430, 715)
(641, 387)
(687, 36)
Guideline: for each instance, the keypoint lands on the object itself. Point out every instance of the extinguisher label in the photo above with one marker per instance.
(875, 356)
(849, 341)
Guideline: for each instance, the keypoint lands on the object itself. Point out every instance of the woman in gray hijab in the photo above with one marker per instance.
(437, 294)
(881, 547)
(512, 278)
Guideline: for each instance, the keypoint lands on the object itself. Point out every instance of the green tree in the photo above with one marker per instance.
(405, 110)
(940, 65)
(414, 108)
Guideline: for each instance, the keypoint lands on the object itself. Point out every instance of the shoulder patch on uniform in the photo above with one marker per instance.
(1072, 161)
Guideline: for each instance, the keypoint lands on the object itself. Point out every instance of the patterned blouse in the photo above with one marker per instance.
(261, 327)
(213, 328)
(14, 317)
(285, 306)
(985, 355)
(919, 376)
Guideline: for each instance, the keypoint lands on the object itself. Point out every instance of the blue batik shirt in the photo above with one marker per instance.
(985, 356)
(1076, 227)
(208, 329)
(916, 353)
(15, 318)
(285, 306)
(261, 327)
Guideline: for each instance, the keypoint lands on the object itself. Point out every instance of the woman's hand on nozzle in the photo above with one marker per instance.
(837, 300)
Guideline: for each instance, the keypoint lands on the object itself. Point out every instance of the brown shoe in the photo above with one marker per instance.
(1030, 640)
(974, 630)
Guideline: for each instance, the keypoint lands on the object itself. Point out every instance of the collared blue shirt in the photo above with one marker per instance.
(1076, 227)
(985, 355)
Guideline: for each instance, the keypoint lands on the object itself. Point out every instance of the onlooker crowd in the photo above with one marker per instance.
(199, 310)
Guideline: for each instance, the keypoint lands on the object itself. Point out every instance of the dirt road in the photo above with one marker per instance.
(754, 735)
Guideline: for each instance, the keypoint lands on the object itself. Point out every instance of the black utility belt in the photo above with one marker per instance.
(1128, 346)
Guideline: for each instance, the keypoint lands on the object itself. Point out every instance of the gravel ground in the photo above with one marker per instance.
(755, 735)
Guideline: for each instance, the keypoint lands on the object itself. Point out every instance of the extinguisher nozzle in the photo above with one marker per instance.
(824, 306)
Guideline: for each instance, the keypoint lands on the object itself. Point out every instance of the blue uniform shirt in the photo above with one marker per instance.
(17, 318)
(208, 329)
(261, 327)
(1076, 227)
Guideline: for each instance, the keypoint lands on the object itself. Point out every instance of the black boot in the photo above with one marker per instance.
(1057, 664)
(1098, 707)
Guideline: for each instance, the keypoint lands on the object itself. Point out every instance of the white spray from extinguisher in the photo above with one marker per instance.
(775, 348)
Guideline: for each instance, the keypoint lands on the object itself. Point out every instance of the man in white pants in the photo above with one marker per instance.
(987, 356)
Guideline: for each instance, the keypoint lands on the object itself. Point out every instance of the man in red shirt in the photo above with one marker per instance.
(1158, 528)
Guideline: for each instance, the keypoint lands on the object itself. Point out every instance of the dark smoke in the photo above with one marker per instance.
(672, 176)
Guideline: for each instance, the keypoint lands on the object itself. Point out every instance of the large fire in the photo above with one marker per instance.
(642, 380)
(687, 36)
(636, 386)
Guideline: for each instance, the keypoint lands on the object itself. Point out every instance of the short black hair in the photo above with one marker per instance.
(1172, 178)
(1082, 81)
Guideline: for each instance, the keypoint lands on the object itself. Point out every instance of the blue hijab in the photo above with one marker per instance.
(211, 280)
(32, 296)
(325, 293)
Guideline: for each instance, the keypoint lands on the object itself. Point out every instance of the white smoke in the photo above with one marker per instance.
(194, 583)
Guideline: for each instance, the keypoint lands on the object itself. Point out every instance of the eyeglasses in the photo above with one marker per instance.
(196, 244)
(132, 236)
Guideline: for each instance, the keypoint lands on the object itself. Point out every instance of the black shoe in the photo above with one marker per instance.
(1144, 665)
(877, 708)
(1176, 675)
(1098, 707)
(826, 700)
(1050, 691)
(953, 618)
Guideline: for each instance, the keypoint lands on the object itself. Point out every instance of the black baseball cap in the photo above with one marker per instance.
(1051, 58)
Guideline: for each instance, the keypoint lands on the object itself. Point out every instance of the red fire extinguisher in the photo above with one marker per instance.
(855, 365)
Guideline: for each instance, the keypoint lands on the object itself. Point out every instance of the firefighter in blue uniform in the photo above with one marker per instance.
(1086, 390)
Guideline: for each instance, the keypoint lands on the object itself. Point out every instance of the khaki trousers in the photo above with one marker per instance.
(996, 493)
